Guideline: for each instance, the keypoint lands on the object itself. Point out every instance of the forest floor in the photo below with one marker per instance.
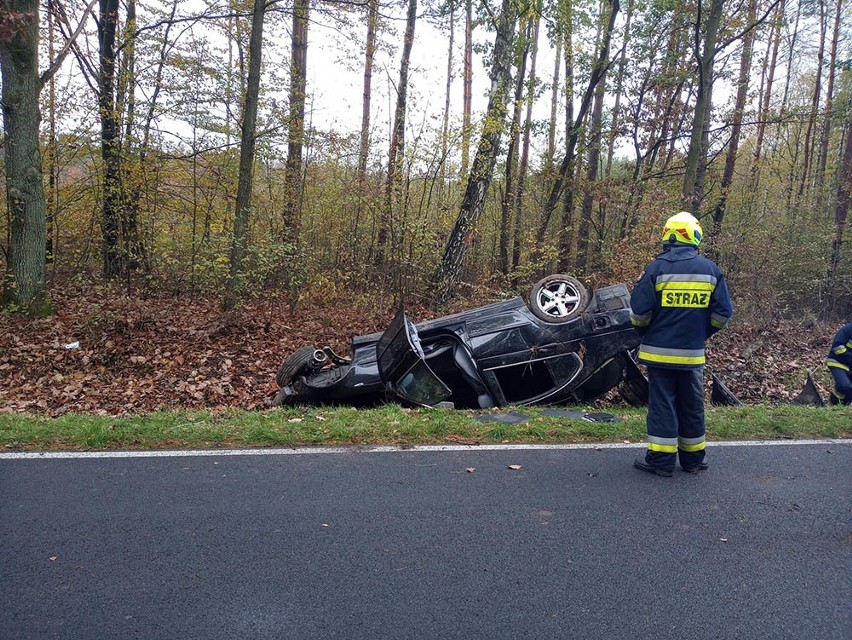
(138, 355)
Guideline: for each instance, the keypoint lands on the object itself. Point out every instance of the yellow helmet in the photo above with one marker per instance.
(684, 228)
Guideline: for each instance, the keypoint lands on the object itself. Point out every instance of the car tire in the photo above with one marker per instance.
(294, 365)
(558, 298)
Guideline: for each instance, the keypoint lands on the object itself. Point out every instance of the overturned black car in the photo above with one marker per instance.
(561, 346)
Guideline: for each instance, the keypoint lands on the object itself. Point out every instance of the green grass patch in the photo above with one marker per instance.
(390, 424)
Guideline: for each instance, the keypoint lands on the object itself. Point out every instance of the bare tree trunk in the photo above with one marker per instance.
(737, 123)
(446, 276)
(554, 103)
(24, 284)
(790, 67)
(296, 124)
(841, 211)
(506, 206)
(763, 115)
(566, 167)
(239, 244)
(619, 88)
(819, 178)
(445, 125)
(525, 151)
(396, 155)
(467, 82)
(638, 164)
(670, 100)
(134, 164)
(592, 167)
(809, 133)
(369, 55)
(120, 236)
(364, 146)
(696, 157)
(114, 254)
(592, 164)
(52, 151)
(565, 233)
(672, 129)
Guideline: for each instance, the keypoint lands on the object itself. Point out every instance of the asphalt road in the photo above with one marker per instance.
(358, 544)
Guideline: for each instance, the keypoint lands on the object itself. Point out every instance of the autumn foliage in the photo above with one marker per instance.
(160, 203)
(145, 354)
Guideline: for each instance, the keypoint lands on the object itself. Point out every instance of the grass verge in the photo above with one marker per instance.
(390, 425)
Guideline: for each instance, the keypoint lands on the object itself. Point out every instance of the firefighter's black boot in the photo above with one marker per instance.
(701, 466)
(641, 464)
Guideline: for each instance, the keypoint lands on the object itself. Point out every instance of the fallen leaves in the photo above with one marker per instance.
(108, 353)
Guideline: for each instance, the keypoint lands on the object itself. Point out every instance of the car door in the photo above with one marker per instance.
(402, 365)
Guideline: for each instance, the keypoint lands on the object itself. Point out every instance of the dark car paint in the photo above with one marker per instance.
(503, 349)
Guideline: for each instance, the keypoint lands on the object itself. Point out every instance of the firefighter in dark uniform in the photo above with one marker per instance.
(679, 301)
(840, 365)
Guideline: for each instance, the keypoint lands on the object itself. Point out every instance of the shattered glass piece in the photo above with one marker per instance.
(580, 415)
(563, 413)
(603, 417)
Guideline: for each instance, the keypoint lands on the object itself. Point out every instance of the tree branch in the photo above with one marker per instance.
(66, 49)
(748, 28)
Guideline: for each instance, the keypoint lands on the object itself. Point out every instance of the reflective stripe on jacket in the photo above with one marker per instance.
(680, 301)
(840, 355)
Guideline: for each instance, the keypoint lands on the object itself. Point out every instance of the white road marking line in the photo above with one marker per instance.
(196, 453)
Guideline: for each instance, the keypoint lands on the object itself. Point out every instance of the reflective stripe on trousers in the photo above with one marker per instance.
(675, 417)
(842, 383)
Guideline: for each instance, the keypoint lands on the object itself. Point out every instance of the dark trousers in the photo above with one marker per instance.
(675, 417)
(842, 386)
